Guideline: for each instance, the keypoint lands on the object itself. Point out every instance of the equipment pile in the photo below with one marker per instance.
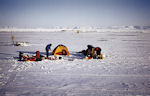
(60, 51)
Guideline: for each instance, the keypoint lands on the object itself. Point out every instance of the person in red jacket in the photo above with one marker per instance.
(38, 56)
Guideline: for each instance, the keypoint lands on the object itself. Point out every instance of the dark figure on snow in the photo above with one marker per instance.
(48, 48)
(88, 51)
(21, 56)
(92, 52)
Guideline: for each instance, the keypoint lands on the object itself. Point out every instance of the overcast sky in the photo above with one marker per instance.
(47, 13)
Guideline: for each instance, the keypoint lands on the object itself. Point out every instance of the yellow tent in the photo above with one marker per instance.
(60, 50)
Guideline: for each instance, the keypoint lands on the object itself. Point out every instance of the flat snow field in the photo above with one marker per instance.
(125, 70)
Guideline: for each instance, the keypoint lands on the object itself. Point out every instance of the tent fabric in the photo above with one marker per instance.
(60, 50)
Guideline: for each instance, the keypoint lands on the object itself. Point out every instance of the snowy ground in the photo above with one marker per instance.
(125, 71)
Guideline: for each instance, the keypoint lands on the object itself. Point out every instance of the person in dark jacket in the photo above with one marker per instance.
(92, 52)
(21, 56)
(89, 50)
(48, 48)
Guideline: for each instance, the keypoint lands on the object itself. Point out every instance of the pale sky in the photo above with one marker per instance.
(47, 13)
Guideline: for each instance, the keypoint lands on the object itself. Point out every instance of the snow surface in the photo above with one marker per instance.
(125, 70)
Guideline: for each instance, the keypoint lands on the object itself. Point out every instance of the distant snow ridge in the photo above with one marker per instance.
(82, 29)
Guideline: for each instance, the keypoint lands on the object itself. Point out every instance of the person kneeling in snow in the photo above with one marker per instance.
(48, 48)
